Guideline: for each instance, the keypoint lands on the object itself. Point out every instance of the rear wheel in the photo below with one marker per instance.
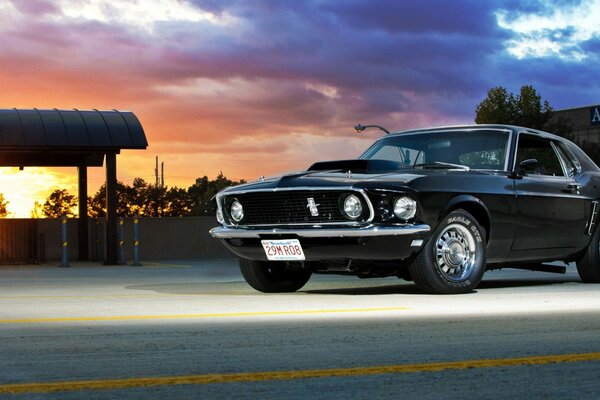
(453, 260)
(588, 265)
(273, 276)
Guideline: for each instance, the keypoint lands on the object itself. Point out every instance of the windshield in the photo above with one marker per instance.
(476, 149)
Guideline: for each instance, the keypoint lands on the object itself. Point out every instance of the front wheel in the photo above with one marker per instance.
(453, 260)
(273, 276)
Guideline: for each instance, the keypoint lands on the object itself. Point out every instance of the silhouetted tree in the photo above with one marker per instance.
(499, 107)
(525, 109)
(177, 203)
(147, 200)
(136, 196)
(36, 212)
(60, 202)
(202, 192)
(531, 112)
(528, 110)
(3, 206)
(97, 203)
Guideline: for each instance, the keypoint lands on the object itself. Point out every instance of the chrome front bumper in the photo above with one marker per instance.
(317, 232)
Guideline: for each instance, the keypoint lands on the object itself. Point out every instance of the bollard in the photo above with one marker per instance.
(99, 250)
(121, 241)
(64, 263)
(136, 242)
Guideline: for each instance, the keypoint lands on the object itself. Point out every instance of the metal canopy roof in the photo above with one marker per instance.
(64, 138)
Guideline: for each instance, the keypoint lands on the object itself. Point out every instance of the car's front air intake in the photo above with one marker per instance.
(295, 207)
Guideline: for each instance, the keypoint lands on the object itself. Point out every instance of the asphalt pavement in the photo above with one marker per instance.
(192, 329)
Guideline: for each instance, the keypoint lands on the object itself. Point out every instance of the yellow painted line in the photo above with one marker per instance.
(189, 316)
(112, 384)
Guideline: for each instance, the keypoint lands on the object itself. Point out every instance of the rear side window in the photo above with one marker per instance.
(540, 149)
(581, 158)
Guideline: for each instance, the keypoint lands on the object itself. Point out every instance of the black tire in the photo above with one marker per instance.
(588, 266)
(453, 259)
(273, 276)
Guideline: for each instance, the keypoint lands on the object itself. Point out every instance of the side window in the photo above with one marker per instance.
(567, 161)
(577, 156)
(533, 147)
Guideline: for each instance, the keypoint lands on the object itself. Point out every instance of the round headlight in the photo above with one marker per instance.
(405, 207)
(237, 211)
(220, 218)
(352, 207)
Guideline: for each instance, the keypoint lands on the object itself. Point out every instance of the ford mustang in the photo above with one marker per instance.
(437, 206)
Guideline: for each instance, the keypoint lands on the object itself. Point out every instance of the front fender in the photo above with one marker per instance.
(473, 206)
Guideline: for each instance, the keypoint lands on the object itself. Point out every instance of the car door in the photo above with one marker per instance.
(550, 216)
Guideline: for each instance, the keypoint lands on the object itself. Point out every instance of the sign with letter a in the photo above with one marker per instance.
(595, 115)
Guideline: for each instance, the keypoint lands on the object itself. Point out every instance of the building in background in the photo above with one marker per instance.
(585, 122)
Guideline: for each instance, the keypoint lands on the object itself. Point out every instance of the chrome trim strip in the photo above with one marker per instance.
(304, 224)
(306, 188)
(289, 189)
(318, 232)
(592, 220)
(507, 159)
(450, 128)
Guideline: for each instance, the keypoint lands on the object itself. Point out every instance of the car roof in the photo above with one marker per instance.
(474, 127)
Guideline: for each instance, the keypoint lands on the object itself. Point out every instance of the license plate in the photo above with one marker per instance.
(283, 250)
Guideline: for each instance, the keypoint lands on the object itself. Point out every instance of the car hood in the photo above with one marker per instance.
(364, 175)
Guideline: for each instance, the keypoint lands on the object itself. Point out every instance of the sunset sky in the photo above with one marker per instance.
(253, 87)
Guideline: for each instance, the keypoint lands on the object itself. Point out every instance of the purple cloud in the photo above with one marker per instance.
(281, 68)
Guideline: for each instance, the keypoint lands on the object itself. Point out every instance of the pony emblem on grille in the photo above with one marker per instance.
(313, 207)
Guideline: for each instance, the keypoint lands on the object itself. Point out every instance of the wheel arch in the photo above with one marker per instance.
(473, 206)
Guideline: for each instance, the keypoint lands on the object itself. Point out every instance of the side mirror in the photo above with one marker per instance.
(529, 166)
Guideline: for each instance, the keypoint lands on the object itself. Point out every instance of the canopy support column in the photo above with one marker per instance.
(83, 216)
(111, 257)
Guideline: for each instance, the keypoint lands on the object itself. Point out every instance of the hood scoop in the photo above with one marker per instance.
(357, 166)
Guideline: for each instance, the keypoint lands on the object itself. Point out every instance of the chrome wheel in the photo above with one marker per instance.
(453, 260)
(455, 253)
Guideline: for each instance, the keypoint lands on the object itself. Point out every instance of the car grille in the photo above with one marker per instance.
(292, 207)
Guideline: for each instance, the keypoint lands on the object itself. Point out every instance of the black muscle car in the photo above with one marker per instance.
(438, 206)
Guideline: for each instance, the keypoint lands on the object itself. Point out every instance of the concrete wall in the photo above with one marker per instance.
(160, 238)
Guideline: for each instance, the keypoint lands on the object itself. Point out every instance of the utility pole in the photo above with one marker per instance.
(156, 182)
(156, 173)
